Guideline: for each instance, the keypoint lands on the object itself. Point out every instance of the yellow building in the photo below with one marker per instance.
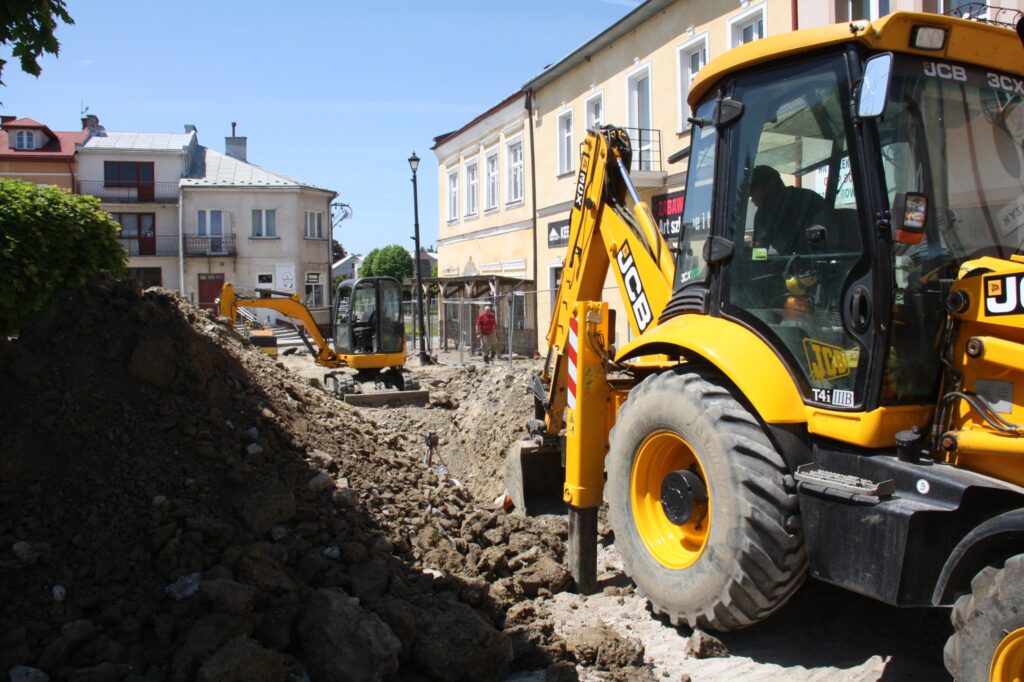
(636, 75)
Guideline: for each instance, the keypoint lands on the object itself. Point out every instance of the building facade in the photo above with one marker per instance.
(30, 151)
(635, 75)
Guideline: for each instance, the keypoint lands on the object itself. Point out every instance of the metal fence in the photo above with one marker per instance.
(450, 325)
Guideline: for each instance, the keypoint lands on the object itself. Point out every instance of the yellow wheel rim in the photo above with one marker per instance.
(1008, 660)
(672, 546)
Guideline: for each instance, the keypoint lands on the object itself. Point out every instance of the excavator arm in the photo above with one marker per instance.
(604, 231)
(289, 305)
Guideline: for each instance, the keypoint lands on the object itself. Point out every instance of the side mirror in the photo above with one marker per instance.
(909, 216)
(874, 86)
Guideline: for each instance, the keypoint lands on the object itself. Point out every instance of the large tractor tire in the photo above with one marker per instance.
(988, 641)
(704, 510)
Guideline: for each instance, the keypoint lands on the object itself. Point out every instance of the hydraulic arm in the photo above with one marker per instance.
(604, 229)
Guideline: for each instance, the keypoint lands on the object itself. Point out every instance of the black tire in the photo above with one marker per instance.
(992, 611)
(753, 557)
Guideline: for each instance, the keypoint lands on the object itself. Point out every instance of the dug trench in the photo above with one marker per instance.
(175, 505)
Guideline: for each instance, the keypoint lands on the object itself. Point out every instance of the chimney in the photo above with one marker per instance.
(235, 146)
(4, 120)
(90, 122)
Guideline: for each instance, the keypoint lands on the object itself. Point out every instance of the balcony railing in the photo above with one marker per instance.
(646, 145)
(139, 192)
(150, 246)
(207, 245)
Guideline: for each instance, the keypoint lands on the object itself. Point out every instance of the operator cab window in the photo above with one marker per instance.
(794, 224)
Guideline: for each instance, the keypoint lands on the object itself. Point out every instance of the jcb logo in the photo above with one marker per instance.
(581, 181)
(634, 288)
(826, 362)
(1004, 295)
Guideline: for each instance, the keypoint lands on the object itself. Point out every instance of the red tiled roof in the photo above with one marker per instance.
(61, 145)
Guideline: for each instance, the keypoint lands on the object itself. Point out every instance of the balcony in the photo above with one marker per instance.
(133, 193)
(149, 246)
(209, 245)
(646, 169)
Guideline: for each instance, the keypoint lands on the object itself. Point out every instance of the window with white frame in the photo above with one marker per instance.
(472, 187)
(314, 225)
(25, 139)
(453, 195)
(638, 92)
(314, 290)
(209, 223)
(595, 111)
(264, 222)
(693, 55)
(747, 27)
(515, 172)
(565, 150)
(491, 168)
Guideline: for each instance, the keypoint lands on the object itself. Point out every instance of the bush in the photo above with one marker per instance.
(50, 241)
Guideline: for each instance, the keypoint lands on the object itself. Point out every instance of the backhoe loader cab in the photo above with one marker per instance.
(833, 381)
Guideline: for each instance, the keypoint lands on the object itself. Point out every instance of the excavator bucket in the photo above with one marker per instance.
(534, 476)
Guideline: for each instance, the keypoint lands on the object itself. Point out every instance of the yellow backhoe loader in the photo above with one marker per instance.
(826, 370)
(369, 338)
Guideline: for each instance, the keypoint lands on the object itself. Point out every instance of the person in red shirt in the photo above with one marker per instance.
(486, 331)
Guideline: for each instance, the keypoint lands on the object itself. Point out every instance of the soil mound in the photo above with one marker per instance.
(176, 506)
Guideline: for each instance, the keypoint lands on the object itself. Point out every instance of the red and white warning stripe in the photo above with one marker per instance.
(574, 344)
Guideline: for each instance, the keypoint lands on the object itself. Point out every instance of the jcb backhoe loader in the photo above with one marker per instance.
(828, 384)
(369, 338)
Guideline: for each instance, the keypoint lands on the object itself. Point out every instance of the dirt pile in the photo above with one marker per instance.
(175, 506)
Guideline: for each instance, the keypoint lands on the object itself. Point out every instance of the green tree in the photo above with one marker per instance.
(50, 241)
(389, 261)
(28, 27)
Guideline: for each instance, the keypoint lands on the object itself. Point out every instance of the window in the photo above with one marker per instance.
(639, 116)
(692, 58)
(515, 172)
(127, 173)
(264, 222)
(147, 277)
(472, 186)
(210, 223)
(871, 9)
(25, 139)
(554, 281)
(314, 290)
(314, 225)
(747, 27)
(453, 195)
(565, 150)
(138, 232)
(492, 181)
(595, 111)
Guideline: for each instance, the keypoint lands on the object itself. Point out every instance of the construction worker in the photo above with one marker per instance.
(487, 332)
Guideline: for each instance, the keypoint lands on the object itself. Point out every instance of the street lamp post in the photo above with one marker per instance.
(414, 163)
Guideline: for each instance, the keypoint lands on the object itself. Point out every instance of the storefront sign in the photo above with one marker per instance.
(558, 234)
(668, 212)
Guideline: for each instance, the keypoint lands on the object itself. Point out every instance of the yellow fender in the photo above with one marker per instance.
(735, 351)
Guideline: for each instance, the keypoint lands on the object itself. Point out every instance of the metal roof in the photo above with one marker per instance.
(221, 170)
(139, 142)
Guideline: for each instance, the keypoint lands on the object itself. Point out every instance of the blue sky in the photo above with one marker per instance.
(337, 94)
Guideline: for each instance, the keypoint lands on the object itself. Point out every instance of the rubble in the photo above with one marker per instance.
(209, 515)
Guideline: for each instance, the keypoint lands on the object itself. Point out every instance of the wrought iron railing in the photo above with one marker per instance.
(150, 246)
(131, 193)
(989, 14)
(646, 144)
(209, 245)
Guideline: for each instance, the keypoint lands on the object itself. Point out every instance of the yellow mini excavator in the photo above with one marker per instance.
(829, 385)
(369, 338)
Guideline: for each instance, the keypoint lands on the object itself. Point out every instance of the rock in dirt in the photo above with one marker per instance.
(702, 645)
(21, 673)
(243, 660)
(601, 646)
(343, 642)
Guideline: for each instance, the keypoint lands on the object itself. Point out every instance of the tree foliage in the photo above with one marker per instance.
(337, 251)
(390, 261)
(28, 27)
(50, 241)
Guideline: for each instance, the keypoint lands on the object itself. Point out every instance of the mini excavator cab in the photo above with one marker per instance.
(368, 319)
